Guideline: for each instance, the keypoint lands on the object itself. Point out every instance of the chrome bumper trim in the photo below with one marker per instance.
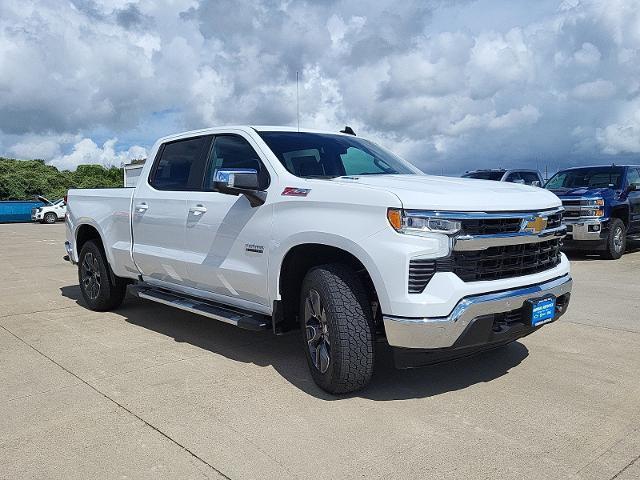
(580, 228)
(442, 332)
(482, 242)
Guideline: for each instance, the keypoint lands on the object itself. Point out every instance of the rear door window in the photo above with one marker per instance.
(180, 164)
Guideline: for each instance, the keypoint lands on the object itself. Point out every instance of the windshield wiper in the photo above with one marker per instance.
(325, 177)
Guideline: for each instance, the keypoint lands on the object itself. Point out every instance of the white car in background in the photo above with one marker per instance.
(50, 212)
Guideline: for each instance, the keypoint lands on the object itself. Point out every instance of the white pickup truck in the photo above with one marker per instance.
(275, 228)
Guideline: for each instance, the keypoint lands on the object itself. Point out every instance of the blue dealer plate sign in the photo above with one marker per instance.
(543, 311)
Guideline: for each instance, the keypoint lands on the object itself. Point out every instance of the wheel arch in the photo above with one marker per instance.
(296, 260)
(621, 212)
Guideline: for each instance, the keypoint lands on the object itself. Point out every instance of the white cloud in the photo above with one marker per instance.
(86, 151)
(594, 90)
(588, 55)
(487, 90)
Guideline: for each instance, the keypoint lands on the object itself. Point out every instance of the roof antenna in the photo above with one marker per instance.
(297, 102)
(348, 130)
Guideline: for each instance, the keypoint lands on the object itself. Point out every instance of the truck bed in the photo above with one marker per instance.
(108, 210)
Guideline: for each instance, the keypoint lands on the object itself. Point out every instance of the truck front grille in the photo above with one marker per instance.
(496, 226)
(491, 226)
(494, 263)
(508, 261)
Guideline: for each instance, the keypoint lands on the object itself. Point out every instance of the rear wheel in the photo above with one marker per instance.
(50, 218)
(616, 240)
(101, 289)
(337, 328)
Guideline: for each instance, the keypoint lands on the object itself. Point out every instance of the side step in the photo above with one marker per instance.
(240, 318)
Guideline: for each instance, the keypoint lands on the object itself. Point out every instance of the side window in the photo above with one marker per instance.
(232, 152)
(530, 177)
(634, 176)
(514, 178)
(180, 165)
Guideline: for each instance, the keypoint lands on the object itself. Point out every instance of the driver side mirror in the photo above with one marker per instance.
(633, 187)
(236, 181)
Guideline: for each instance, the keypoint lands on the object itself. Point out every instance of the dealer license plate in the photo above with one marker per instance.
(542, 311)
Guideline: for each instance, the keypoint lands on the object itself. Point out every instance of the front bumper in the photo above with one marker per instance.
(446, 332)
(586, 229)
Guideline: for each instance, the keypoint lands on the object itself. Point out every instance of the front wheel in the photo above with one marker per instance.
(50, 218)
(337, 327)
(101, 289)
(616, 240)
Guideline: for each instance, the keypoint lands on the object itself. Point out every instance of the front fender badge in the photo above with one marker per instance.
(295, 192)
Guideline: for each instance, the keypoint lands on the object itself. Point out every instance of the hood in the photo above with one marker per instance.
(43, 200)
(584, 192)
(430, 192)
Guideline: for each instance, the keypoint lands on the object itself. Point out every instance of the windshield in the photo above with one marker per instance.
(320, 155)
(588, 177)
(497, 176)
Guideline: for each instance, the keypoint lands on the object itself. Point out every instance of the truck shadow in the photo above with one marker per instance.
(285, 354)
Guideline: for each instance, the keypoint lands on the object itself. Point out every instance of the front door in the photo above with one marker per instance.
(160, 209)
(227, 238)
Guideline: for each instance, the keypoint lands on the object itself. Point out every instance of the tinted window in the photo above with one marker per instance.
(487, 175)
(633, 176)
(181, 165)
(514, 178)
(530, 177)
(233, 152)
(588, 177)
(321, 155)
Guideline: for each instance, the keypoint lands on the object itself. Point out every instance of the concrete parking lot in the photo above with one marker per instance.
(152, 392)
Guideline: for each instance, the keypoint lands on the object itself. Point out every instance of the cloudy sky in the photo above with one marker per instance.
(450, 85)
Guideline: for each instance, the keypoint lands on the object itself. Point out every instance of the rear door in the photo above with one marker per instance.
(633, 177)
(160, 208)
(226, 238)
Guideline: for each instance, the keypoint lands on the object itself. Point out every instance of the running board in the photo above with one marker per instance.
(240, 318)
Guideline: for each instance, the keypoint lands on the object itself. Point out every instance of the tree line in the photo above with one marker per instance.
(23, 179)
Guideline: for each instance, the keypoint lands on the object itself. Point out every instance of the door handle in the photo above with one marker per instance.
(198, 210)
(142, 207)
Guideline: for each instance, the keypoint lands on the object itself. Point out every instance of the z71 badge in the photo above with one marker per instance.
(295, 192)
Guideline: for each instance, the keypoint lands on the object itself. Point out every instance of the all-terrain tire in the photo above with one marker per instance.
(616, 240)
(50, 218)
(101, 289)
(344, 304)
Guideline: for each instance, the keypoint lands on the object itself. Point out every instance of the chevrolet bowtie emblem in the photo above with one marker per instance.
(534, 224)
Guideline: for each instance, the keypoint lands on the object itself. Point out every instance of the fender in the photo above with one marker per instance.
(280, 251)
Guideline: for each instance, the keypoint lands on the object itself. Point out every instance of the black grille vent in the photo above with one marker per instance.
(554, 221)
(421, 271)
(490, 226)
(506, 262)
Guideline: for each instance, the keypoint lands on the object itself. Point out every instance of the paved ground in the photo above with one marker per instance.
(151, 392)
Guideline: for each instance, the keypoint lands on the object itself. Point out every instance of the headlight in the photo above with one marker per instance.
(414, 222)
(593, 202)
(591, 212)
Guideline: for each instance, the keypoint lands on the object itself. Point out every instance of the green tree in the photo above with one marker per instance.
(23, 179)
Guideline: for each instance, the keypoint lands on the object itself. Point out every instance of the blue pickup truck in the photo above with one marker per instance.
(602, 207)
